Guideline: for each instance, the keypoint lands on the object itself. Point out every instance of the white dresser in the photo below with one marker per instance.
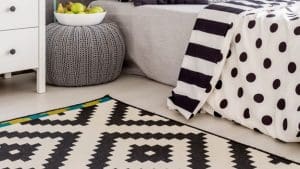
(22, 38)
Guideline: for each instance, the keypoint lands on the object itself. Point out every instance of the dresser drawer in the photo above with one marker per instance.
(16, 14)
(18, 50)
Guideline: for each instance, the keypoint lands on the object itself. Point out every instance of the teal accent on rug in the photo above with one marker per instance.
(55, 111)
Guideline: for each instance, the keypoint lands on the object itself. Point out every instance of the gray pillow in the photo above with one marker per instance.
(164, 2)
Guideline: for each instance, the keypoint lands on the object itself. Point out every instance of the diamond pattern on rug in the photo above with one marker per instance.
(193, 144)
(109, 134)
(56, 155)
(150, 153)
(15, 152)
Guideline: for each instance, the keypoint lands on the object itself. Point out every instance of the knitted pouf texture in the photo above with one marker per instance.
(84, 55)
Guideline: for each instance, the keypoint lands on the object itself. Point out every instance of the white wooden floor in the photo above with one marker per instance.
(18, 98)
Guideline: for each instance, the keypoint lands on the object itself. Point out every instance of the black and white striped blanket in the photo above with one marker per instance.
(243, 63)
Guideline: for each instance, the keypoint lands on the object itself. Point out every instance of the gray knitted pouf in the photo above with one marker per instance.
(84, 55)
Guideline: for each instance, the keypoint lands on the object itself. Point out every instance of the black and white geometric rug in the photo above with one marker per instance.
(107, 133)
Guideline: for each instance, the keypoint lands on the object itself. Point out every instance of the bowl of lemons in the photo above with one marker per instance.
(77, 14)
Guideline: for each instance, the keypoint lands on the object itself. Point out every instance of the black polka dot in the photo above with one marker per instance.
(229, 54)
(223, 103)
(274, 27)
(282, 47)
(238, 38)
(298, 89)
(258, 98)
(234, 72)
(267, 63)
(284, 124)
(219, 84)
(276, 84)
(281, 104)
(251, 24)
(240, 92)
(292, 67)
(298, 108)
(258, 43)
(251, 77)
(267, 120)
(270, 15)
(243, 57)
(246, 113)
(297, 30)
(216, 114)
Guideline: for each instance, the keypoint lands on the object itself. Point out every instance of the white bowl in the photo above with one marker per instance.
(80, 19)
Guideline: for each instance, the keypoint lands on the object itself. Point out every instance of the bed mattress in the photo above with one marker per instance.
(156, 36)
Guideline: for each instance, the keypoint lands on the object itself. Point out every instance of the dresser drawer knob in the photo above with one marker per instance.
(12, 8)
(12, 51)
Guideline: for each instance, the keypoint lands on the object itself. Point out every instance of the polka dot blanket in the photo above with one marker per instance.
(243, 64)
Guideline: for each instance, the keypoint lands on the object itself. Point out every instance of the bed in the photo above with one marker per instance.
(242, 64)
(151, 34)
(218, 56)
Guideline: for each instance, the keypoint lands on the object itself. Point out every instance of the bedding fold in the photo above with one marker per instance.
(253, 77)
